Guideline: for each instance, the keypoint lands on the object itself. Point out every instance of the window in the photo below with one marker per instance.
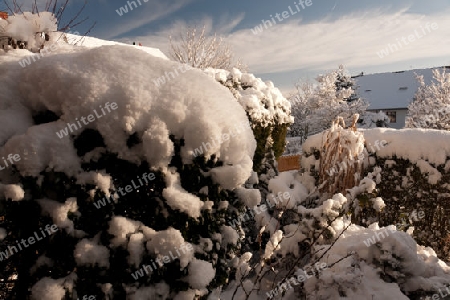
(392, 116)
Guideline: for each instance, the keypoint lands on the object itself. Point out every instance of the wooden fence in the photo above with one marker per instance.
(288, 163)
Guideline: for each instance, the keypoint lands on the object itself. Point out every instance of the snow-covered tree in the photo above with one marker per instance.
(315, 106)
(431, 105)
(345, 82)
(196, 49)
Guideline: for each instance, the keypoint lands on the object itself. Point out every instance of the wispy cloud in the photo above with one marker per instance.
(352, 40)
(148, 12)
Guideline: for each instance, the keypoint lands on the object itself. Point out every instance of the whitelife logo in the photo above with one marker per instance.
(220, 139)
(128, 189)
(124, 9)
(391, 48)
(90, 118)
(248, 214)
(265, 24)
(42, 52)
(50, 230)
(162, 80)
(165, 260)
(10, 158)
(286, 284)
(373, 240)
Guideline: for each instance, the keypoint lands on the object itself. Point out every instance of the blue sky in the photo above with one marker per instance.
(314, 40)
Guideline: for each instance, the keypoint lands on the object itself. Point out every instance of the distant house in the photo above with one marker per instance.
(391, 92)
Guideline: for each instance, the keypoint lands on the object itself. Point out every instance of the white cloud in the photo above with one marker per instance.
(352, 40)
(144, 14)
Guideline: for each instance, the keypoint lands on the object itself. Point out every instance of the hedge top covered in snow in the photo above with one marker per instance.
(262, 100)
(412, 144)
(73, 85)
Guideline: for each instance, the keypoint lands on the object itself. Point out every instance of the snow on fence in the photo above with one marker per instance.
(288, 163)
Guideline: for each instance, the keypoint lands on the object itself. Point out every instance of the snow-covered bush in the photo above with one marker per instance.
(431, 105)
(30, 28)
(109, 159)
(313, 250)
(373, 119)
(268, 111)
(363, 263)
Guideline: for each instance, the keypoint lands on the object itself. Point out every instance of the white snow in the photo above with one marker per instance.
(263, 102)
(101, 180)
(250, 197)
(198, 266)
(170, 240)
(180, 199)
(59, 213)
(11, 191)
(378, 204)
(89, 252)
(136, 249)
(229, 235)
(92, 42)
(412, 144)
(48, 289)
(121, 228)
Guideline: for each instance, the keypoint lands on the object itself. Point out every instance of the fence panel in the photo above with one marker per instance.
(288, 163)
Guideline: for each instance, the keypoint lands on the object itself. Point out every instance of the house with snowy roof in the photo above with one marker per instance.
(391, 92)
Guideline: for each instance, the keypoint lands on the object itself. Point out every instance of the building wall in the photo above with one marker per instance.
(400, 116)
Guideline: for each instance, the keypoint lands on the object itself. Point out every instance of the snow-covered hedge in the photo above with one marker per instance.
(108, 157)
(314, 250)
(411, 172)
(311, 249)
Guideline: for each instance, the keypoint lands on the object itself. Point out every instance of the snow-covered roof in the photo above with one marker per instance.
(390, 90)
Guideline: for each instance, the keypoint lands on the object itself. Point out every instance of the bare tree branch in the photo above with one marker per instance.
(198, 50)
